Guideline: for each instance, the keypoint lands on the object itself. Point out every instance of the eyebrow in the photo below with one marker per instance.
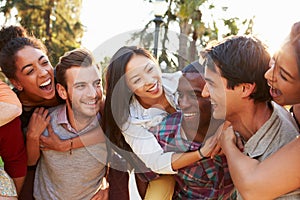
(23, 68)
(144, 69)
(83, 82)
(79, 83)
(287, 73)
(208, 80)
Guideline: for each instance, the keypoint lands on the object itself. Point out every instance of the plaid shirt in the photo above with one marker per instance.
(205, 179)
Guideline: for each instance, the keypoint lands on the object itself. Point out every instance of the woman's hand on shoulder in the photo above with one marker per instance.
(229, 138)
(38, 123)
(53, 142)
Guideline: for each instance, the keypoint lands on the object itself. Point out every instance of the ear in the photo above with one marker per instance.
(62, 92)
(247, 89)
(16, 84)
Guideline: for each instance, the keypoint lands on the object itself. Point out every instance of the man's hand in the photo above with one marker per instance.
(103, 191)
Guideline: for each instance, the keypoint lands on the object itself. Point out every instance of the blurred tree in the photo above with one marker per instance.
(193, 30)
(55, 22)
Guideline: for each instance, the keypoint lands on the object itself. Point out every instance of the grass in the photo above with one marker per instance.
(1, 162)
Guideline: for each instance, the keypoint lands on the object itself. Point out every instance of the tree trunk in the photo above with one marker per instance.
(193, 54)
(183, 42)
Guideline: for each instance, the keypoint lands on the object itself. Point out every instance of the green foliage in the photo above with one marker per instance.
(3, 77)
(55, 22)
(194, 31)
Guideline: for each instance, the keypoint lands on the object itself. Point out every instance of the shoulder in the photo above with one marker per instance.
(170, 81)
(57, 109)
(7, 95)
(284, 115)
(11, 128)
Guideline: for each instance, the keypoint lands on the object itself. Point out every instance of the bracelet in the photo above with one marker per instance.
(201, 154)
(71, 146)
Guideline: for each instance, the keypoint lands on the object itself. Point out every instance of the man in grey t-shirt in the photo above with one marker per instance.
(78, 173)
(239, 93)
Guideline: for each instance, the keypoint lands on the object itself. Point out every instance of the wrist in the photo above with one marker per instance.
(71, 146)
(32, 136)
(202, 156)
(64, 145)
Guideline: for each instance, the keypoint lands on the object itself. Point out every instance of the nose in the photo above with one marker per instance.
(92, 91)
(184, 102)
(43, 72)
(205, 91)
(148, 79)
(269, 75)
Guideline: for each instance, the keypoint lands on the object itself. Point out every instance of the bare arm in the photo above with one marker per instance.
(10, 105)
(37, 124)
(271, 178)
(8, 112)
(53, 142)
(180, 160)
(147, 148)
(19, 183)
(103, 191)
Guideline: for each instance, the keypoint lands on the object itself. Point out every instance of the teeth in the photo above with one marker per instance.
(189, 114)
(153, 88)
(45, 83)
(90, 103)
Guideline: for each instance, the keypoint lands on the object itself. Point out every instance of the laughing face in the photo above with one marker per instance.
(143, 77)
(34, 74)
(84, 92)
(196, 108)
(283, 77)
(215, 88)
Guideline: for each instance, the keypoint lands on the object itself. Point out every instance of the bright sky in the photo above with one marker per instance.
(107, 19)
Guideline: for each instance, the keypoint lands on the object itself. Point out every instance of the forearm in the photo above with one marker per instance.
(8, 112)
(53, 142)
(147, 148)
(240, 167)
(271, 178)
(92, 137)
(19, 183)
(33, 150)
(184, 159)
(180, 160)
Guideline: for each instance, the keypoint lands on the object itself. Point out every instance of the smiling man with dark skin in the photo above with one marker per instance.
(187, 130)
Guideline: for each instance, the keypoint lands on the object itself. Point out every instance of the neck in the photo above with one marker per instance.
(160, 102)
(28, 101)
(251, 120)
(77, 121)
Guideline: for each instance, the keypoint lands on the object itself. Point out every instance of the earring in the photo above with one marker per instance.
(20, 88)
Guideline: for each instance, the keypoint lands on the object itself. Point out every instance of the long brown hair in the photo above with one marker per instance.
(118, 95)
(294, 40)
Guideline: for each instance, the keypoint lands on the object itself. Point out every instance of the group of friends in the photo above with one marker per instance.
(218, 129)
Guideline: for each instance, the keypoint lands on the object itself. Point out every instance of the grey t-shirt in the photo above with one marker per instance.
(65, 176)
(279, 130)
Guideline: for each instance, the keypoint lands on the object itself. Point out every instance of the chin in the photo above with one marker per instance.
(49, 97)
(218, 116)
